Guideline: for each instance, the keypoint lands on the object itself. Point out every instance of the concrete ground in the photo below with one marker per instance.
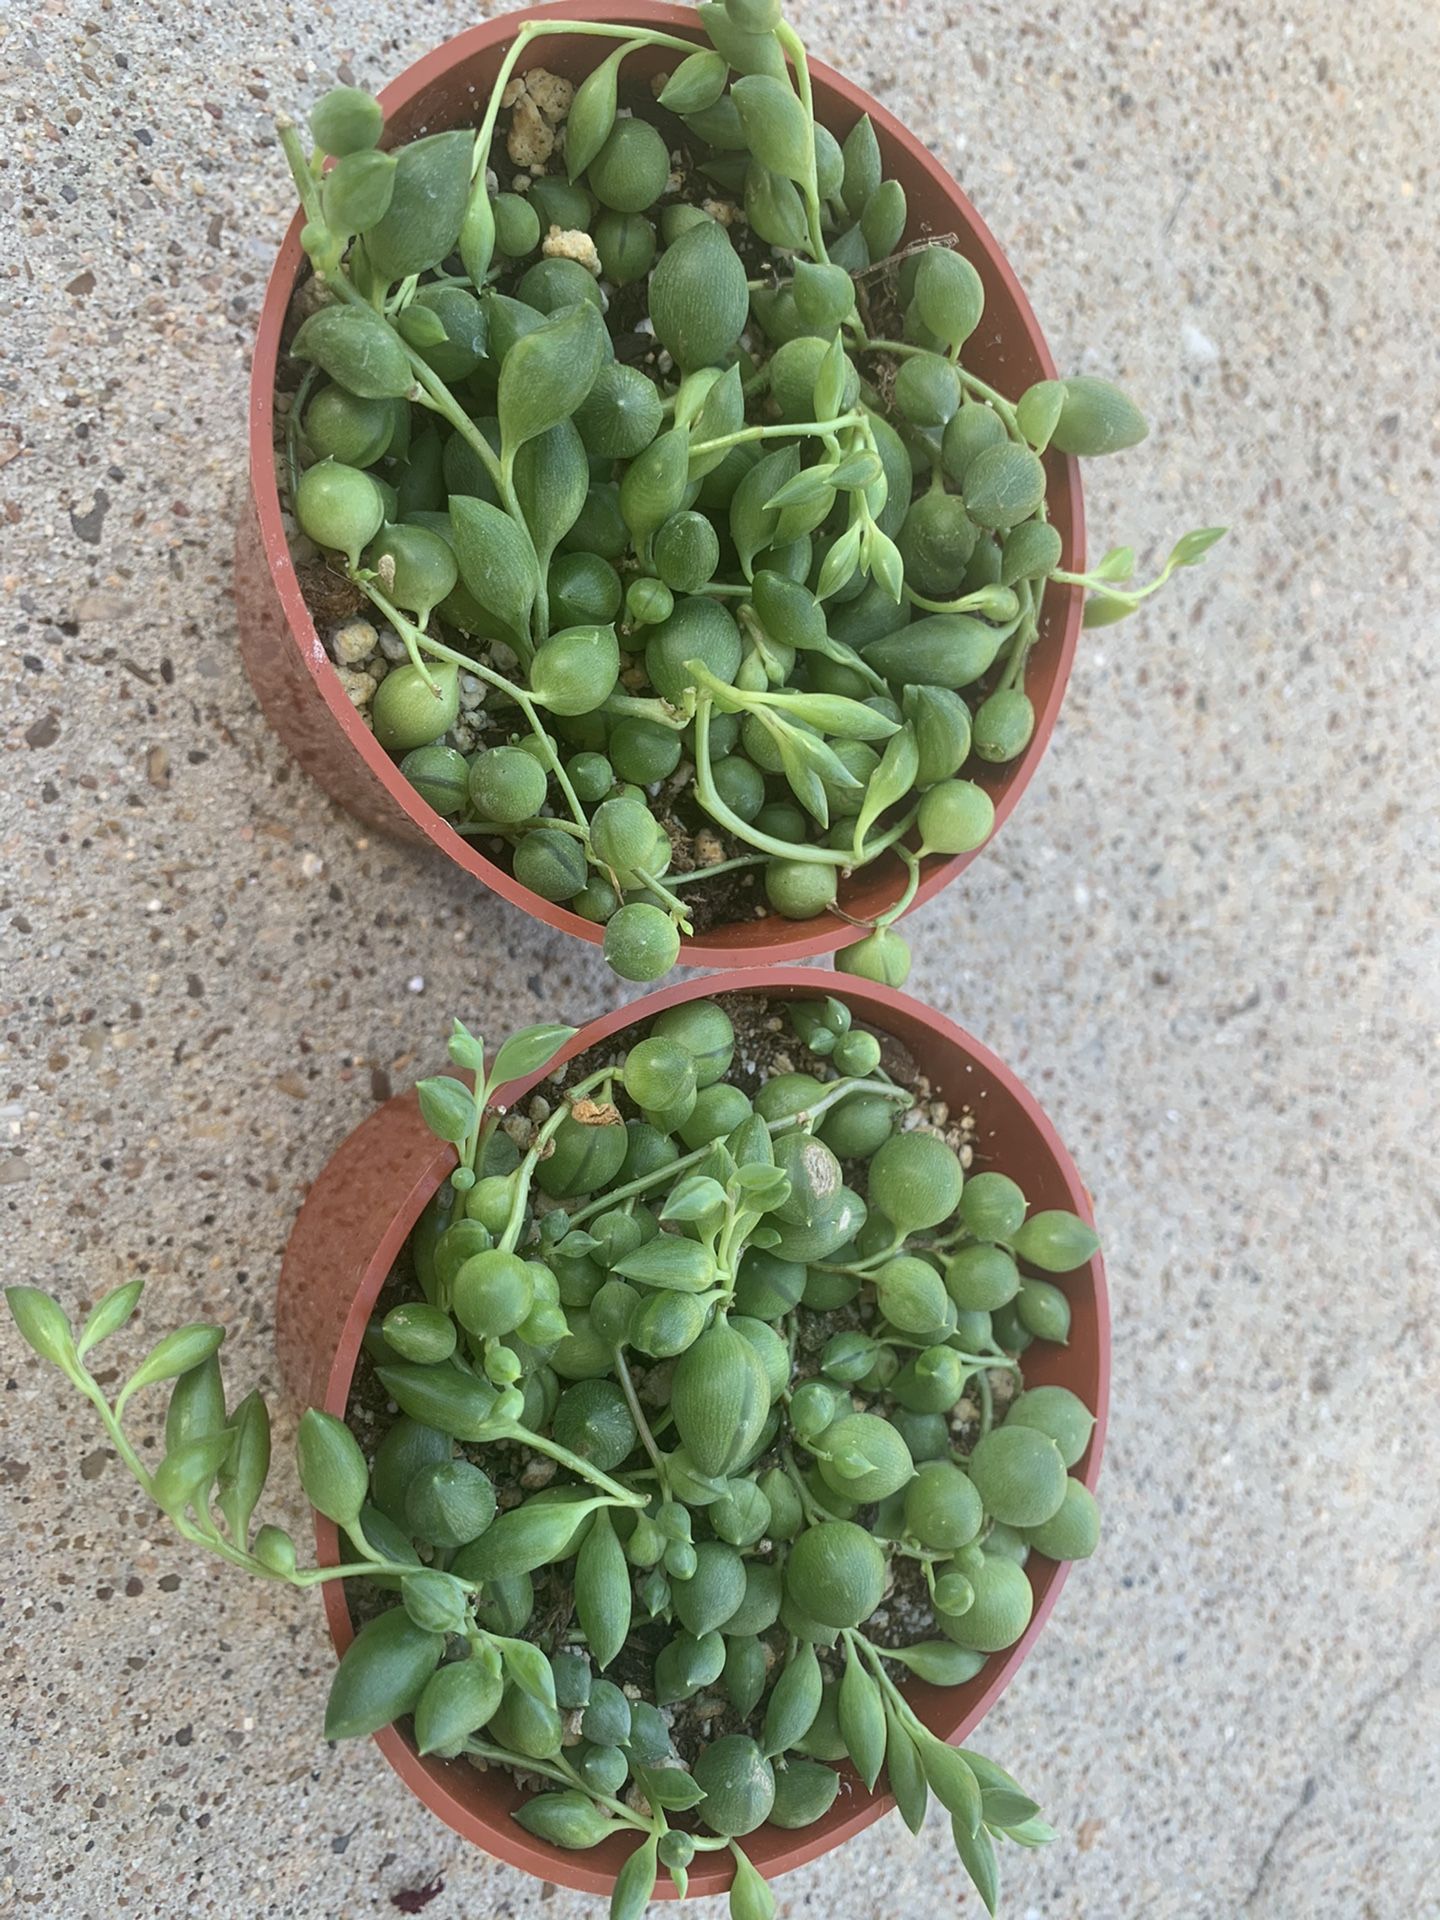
(1207, 940)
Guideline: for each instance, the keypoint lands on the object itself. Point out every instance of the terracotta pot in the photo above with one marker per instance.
(354, 1223)
(295, 681)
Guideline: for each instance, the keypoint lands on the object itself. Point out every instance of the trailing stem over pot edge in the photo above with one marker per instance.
(804, 536)
(705, 1415)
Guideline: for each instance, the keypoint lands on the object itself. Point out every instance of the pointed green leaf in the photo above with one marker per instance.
(428, 201)
(527, 1668)
(547, 373)
(862, 1718)
(750, 1895)
(381, 1675)
(465, 1049)
(602, 1590)
(904, 1772)
(529, 1050)
(696, 83)
(186, 1347)
(183, 1477)
(777, 127)
(952, 1781)
(447, 1107)
(669, 1787)
(592, 113)
(890, 782)
(940, 1662)
(108, 1315)
(794, 1701)
(552, 482)
(43, 1323)
(669, 1261)
(568, 1819)
(977, 1855)
(197, 1405)
(458, 1701)
(358, 349)
(833, 713)
(635, 1882)
(243, 1472)
(1191, 548)
(495, 556)
(332, 1467)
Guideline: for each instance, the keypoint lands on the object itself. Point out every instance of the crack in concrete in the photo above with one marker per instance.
(1364, 1715)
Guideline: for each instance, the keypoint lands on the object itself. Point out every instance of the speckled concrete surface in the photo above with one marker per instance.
(1208, 940)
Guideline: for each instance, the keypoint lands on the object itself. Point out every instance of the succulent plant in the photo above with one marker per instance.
(655, 445)
(691, 1399)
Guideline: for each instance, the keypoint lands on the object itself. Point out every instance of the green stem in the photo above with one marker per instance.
(779, 430)
(642, 1425)
(721, 866)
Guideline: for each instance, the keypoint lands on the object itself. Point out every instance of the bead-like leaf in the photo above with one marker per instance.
(904, 1772)
(528, 1051)
(358, 349)
(332, 1467)
(447, 1107)
(184, 1476)
(952, 1781)
(458, 1700)
(243, 1472)
(434, 1600)
(552, 481)
(592, 113)
(940, 1662)
(1191, 548)
(356, 192)
(692, 1200)
(862, 1718)
(696, 83)
(568, 1819)
(891, 780)
(669, 1787)
(548, 373)
(527, 1668)
(456, 1402)
(43, 1323)
(186, 1347)
(830, 381)
(635, 1882)
(750, 1895)
(977, 1855)
(602, 1590)
(668, 1261)
(835, 714)
(776, 125)
(109, 1314)
(840, 562)
(535, 1535)
(794, 1701)
(752, 523)
(197, 1405)
(495, 555)
(381, 1675)
(465, 1049)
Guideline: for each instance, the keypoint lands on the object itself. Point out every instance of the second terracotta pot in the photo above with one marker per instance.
(356, 1220)
(294, 679)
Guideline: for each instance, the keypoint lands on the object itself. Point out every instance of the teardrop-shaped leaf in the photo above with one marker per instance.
(447, 1107)
(184, 1476)
(243, 1472)
(862, 1718)
(635, 1882)
(904, 1772)
(977, 1856)
(552, 481)
(43, 1323)
(1031, 1833)
(568, 1819)
(356, 192)
(358, 349)
(860, 151)
(592, 113)
(839, 564)
(1191, 548)
(721, 413)
(458, 1700)
(109, 1314)
(1097, 418)
(750, 1895)
(890, 782)
(496, 559)
(794, 1701)
(445, 1397)
(421, 327)
(547, 374)
(527, 1668)
(669, 1787)
(952, 1781)
(670, 1262)
(1006, 1807)
(777, 127)
(186, 1347)
(810, 484)
(197, 1405)
(830, 381)
(1038, 410)
(752, 522)
(940, 1662)
(835, 714)
(774, 211)
(535, 1535)
(428, 200)
(381, 1675)
(332, 1467)
(602, 1590)
(694, 1199)
(745, 49)
(950, 298)
(1004, 485)
(883, 561)
(696, 83)
(528, 1051)
(434, 1600)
